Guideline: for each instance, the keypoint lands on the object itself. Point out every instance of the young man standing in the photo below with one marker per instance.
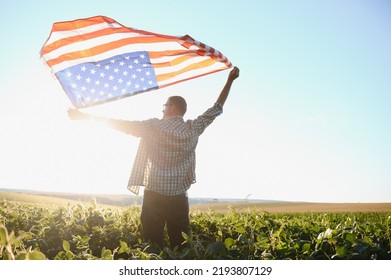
(165, 163)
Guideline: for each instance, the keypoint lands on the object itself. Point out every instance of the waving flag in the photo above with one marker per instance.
(98, 60)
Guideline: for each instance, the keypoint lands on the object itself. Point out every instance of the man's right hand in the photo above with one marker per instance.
(234, 73)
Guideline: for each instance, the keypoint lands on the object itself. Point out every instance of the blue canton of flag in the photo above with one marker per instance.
(109, 79)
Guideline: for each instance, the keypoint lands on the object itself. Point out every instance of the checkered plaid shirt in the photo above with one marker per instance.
(165, 160)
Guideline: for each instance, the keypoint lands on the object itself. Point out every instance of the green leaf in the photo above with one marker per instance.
(36, 256)
(186, 237)
(229, 242)
(306, 247)
(240, 230)
(106, 254)
(124, 247)
(350, 238)
(69, 255)
(342, 251)
(66, 246)
(3, 235)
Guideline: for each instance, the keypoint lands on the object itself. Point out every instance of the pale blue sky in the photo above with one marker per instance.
(308, 119)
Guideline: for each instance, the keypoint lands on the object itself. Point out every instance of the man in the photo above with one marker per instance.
(165, 163)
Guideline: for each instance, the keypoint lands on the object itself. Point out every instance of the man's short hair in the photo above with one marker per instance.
(179, 103)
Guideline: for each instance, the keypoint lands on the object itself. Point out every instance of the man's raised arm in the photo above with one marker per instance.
(227, 87)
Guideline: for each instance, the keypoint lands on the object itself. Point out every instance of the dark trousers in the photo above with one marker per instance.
(159, 210)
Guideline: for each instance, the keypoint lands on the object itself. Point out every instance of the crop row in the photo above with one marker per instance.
(34, 231)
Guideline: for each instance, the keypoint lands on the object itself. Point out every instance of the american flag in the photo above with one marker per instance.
(98, 60)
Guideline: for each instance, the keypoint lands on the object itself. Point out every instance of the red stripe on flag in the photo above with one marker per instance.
(80, 23)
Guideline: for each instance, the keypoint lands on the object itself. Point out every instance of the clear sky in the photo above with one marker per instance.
(308, 119)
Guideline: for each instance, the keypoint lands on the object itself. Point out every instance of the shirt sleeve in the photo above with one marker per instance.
(204, 120)
(135, 128)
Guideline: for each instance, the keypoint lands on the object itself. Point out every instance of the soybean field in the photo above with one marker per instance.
(83, 231)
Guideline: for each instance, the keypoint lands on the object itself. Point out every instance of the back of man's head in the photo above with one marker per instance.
(179, 103)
